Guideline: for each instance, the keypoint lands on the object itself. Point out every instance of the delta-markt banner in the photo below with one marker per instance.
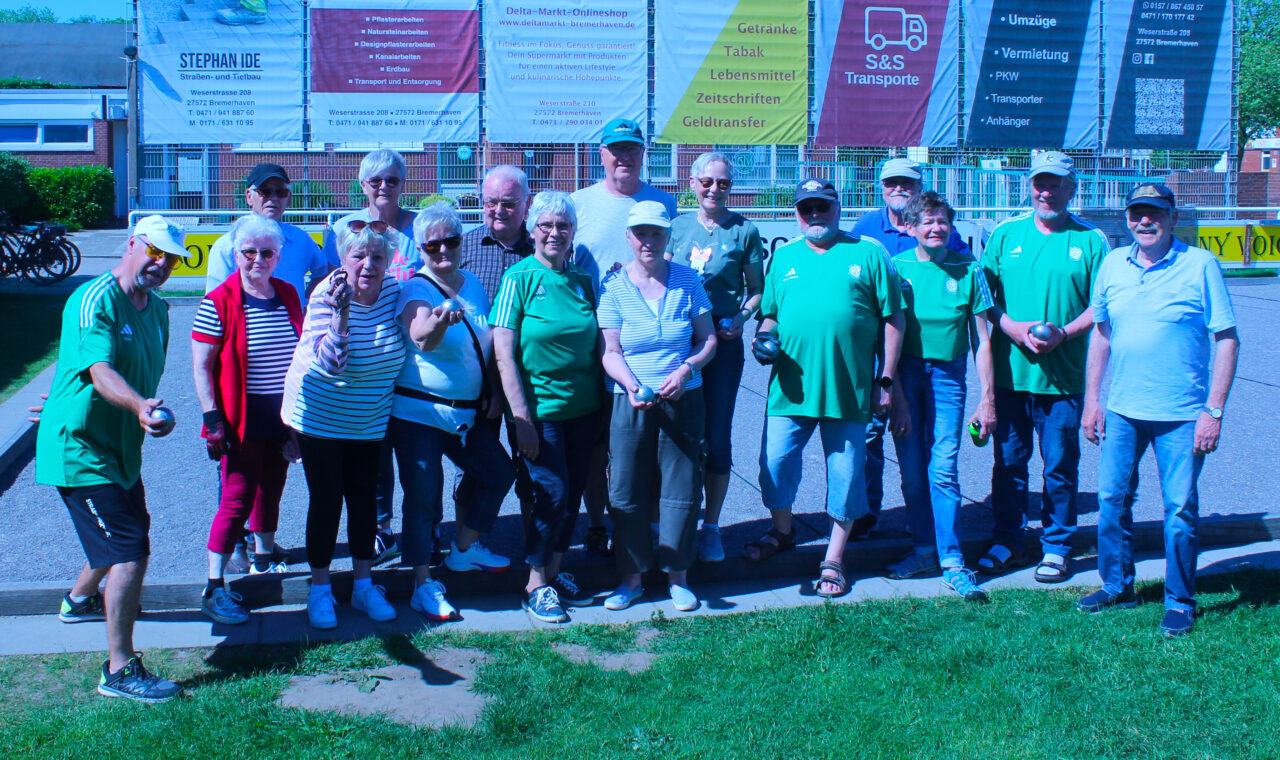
(734, 72)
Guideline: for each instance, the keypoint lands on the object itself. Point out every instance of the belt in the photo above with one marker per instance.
(433, 398)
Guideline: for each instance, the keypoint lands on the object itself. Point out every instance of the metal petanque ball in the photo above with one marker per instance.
(451, 305)
(644, 394)
(1042, 331)
(163, 416)
(726, 324)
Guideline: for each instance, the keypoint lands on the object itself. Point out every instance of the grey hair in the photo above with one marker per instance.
(507, 171)
(366, 238)
(438, 214)
(381, 160)
(550, 202)
(701, 163)
(253, 225)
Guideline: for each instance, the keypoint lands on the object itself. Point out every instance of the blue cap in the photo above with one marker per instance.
(622, 130)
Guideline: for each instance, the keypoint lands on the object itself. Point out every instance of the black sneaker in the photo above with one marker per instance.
(597, 542)
(1102, 599)
(570, 593)
(544, 604)
(134, 682)
(1177, 622)
(863, 527)
(385, 547)
(89, 610)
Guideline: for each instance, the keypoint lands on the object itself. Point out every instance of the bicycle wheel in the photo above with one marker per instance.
(8, 263)
(52, 264)
(73, 251)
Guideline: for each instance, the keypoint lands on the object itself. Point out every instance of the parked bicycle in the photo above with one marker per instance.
(40, 253)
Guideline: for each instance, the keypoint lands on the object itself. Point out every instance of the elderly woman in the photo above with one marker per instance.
(548, 351)
(337, 397)
(656, 321)
(725, 249)
(441, 388)
(946, 292)
(243, 338)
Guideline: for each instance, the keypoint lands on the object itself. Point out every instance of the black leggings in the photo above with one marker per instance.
(337, 467)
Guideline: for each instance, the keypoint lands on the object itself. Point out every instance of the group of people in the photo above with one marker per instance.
(608, 333)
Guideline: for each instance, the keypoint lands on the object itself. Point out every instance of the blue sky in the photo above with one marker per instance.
(71, 8)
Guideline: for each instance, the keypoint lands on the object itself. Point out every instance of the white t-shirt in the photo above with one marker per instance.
(600, 240)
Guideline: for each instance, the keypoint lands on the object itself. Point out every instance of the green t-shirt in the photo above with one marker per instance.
(720, 255)
(553, 314)
(828, 306)
(941, 299)
(1037, 277)
(83, 439)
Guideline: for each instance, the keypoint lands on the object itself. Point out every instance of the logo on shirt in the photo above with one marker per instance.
(698, 258)
(952, 285)
(790, 275)
(1015, 252)
(541, 292)
(1075, 253)
(126, 332)
(855, 271)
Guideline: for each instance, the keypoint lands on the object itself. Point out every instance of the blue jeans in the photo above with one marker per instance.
(419, 449)
(1055, 420)
(1174, 443)
(929, 455)
(720, 381)
(782, 455)
(874, 467)
(556, 480)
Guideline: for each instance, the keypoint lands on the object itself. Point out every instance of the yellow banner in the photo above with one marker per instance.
(198, 244)
(1231, 242)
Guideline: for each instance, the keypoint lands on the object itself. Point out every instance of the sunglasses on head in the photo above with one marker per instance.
(252, 254)
(379, 226)
(434, 246)
(378, 181)
(818, 206)
(158, 254)
(721, 184)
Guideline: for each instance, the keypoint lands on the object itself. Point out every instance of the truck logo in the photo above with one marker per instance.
(894, 26)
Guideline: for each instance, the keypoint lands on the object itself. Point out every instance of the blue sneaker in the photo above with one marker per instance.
(1177, 622)
(223, 606)
(964, 583)
(320, 610)
(543, 603)
(1102, 599)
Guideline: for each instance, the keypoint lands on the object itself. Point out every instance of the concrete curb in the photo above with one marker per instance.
(18, 435)
(864, 559)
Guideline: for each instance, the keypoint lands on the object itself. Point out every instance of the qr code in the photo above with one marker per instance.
(1159, 106)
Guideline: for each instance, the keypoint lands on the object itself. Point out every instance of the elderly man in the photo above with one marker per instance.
(600, 247)
(1156, 303)
(492, 248)
(267, 194)
(1041, 267)
(826, 296)
(115, 333)
(900, 181)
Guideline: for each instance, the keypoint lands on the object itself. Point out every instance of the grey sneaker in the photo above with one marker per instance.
(543, 603)
(134, 682)
(238, 16)
(89, 610)
(710, 547)
(223, 606)
(964, 583)
(385, 547)
(912, 566)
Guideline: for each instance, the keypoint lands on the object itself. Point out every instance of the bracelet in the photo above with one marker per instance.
(689, 364)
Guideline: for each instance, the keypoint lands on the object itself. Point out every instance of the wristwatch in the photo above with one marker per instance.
(1214, 412)
(885, 382)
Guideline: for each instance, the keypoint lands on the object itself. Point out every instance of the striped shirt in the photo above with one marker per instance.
(339, 386)
(271, 340)
(654, 345)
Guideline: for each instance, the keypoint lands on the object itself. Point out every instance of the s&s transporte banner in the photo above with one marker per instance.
(557, 70)
(1032, 73)
(734, 72)
(395, 71)
(886, 76)
(204, 81)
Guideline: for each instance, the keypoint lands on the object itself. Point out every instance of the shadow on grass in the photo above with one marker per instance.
(1252, 586)
(33, 347)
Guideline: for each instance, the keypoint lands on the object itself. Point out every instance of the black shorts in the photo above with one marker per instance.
(112, 522)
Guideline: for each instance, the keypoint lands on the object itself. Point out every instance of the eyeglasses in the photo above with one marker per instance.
(252, 254)
(624, 148)
(903, 182)
(434, 246)
(157, 254)
(507, 205)
(379, 226)
(721, 184)
(818, 206)
(547, 228)
(378, 181)
(266, 192)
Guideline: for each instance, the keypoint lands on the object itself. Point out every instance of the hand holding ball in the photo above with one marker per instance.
(1042, 331)
(163, 419)
(644, 394)
(451, 305)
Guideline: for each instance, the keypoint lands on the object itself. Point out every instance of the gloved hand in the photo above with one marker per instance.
(216, 442)
(766, 348)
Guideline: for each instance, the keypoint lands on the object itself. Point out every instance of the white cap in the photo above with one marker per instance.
(901, 167)
(162, 233)
(648, 212)
(1051, 162)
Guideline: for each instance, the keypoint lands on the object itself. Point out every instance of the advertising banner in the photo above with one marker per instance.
(557, 70)
(207, 81)
(1169, 75)
(886, 76)
(732, 73)
(1032, 75)
(395, 71)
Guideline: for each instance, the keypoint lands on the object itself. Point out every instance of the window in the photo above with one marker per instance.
(66, 133)
(46, 136)
(661, 163)
(19, 133)
(1265, 161)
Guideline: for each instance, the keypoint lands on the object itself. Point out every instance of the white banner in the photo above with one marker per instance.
(207, 81)
(559, 69)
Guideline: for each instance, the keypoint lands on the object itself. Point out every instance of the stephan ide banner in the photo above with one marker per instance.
(395, 71)
(734, 72)
(206, 82)
(1031, 73)
(1169, 75)
(557, 70)
(886, 76)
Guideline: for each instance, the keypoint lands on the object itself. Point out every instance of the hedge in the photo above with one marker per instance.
(14, 197)
(77, 196)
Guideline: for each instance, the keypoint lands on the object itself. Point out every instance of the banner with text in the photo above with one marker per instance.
(886, 76)
(734, 73)
(557, 70)
(1032, 75)
(204, 81)
(1169, 75)
(395, 71)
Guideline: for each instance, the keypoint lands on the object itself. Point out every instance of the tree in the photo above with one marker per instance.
(28, 14)
(1258, 27)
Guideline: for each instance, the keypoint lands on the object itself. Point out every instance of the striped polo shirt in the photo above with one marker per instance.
(270, 336)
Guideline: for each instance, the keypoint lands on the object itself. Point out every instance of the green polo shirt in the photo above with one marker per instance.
(942, 296)
(553, 314)
(828, 306)
(1037, 277)
(720, 255)
(83, 440)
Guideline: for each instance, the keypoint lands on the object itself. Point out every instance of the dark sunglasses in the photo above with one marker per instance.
(721, 184)
(379, 226)
(252, 254)
(813, 207)
(267, 192)
(434, 246)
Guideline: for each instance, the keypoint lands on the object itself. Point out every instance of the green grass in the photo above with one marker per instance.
(31, 324)
(1026, 676)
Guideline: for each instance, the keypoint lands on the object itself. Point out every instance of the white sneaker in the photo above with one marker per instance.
(320, 610)
(476, 557)
(710, 548)
(683, 598)
(429, 600)
(372, 601)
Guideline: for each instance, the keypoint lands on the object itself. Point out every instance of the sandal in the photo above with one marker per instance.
(837, 580)
(1051, 571)
(991, 564)
(766, 549)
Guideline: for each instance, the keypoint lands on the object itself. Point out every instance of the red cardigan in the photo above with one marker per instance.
(232, 365)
